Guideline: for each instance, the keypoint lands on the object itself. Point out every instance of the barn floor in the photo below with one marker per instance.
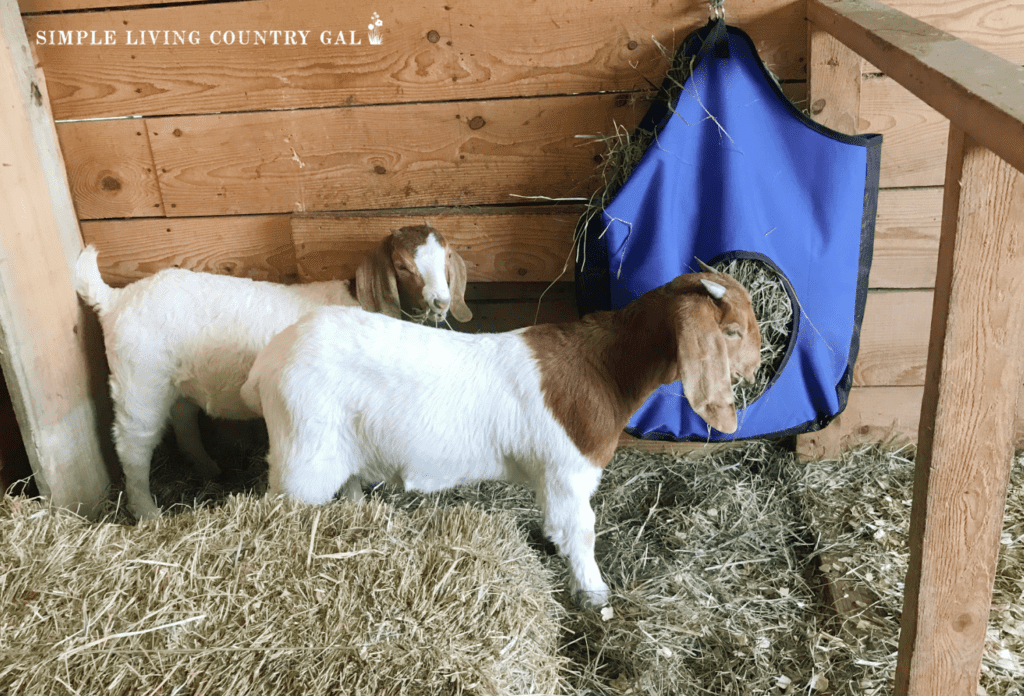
(739, 572)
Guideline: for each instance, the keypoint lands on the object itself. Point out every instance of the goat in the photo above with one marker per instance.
(180, 340)
(349, 395)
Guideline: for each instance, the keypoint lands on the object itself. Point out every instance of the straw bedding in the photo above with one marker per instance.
(859, 505)
(713, 561)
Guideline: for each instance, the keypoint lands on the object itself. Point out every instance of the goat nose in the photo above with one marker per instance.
(440, 305)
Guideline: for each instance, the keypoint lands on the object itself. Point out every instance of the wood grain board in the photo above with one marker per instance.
(914, 145)
(975, 369)
(906, 238)
(252, 246)
(498, 244)
(488, 152)
(472, 49)
(47, 354)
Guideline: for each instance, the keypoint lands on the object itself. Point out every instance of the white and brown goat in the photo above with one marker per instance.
(179, 341)
(350, 395)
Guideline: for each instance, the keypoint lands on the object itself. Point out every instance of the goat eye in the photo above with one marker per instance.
(732, 333)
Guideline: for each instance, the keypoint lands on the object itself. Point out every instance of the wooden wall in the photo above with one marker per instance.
(288, 162)
(857, 98)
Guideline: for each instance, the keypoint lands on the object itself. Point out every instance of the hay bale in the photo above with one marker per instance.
(858, 507)
(268, 597)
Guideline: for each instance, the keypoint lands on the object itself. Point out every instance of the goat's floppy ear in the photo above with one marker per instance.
(456, 268)
(704, 366)
(376, 284)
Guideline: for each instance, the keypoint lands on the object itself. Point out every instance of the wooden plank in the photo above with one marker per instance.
(981, 93)
(40, 6)
(906, 238)
(252, 246)
(260, 246)
(894, 339)
(44, 348)
(496, 317)
(499, 244)
(873, 414)
(975, 368)
(113, 173)
(879, 414)
(473, 49)
(914, 149)
(992, 25)
(449, 154)
(833, 82)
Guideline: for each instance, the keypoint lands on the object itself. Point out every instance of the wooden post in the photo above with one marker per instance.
(833, 81)
(965, 442)
(43, 347)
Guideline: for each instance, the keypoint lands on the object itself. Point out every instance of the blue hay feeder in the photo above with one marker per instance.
(734, 170)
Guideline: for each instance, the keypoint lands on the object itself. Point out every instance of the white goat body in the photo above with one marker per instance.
(179, 340)
(349, 395)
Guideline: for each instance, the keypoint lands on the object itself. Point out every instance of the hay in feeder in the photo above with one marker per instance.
(859, 509)
(774, 311)
(263, 596)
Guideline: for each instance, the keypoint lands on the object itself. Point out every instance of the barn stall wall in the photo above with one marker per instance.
(286, 162)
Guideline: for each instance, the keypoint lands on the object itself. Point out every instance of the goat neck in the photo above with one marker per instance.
(596, 372)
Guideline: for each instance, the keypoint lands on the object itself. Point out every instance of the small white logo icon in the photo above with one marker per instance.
(376, 35)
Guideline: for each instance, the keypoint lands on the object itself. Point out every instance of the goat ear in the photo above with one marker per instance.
(376, 284)
(716, 290)
(456, 268)
(704, 367)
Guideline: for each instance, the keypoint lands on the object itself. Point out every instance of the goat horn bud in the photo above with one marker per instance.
(714, 289)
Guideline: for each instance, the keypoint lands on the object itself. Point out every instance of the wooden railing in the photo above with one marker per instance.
(976, 350)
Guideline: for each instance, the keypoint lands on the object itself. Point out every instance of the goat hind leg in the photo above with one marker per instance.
(185, 421)
(136, 435)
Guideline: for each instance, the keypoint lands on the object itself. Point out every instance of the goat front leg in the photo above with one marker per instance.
(569, 523)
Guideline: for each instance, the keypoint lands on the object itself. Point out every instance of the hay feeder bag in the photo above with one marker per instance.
(732, 170)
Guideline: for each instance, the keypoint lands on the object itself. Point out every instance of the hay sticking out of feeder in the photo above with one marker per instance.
(859, 508)
(624, 148)
(774, 311)
(267, 597)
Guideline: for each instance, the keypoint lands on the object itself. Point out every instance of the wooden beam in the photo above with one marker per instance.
(43, 339)
(981, 94)
(965, 442)
(833, 81)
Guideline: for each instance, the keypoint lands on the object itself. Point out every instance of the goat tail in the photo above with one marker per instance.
(88, 282)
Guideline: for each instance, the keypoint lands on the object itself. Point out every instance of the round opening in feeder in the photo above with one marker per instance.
(773, 307)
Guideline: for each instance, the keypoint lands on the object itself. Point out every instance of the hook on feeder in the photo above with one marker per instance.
(717, 9)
